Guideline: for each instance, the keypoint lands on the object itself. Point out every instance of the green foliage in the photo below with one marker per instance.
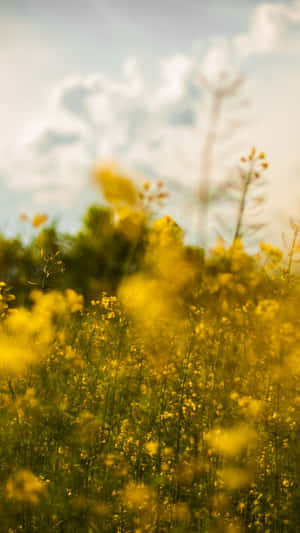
(94, 259)
(170, 404)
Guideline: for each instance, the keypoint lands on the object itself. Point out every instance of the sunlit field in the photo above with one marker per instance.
(147, 385)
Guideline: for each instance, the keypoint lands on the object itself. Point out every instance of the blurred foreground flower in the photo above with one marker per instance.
(25, 487)
(23, 217)
(39, 219)
(25, 335)
(232, 441)
(116, 188)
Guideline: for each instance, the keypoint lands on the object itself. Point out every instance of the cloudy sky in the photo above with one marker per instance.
(85, 80)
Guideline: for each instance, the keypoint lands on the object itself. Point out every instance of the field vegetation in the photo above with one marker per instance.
(147, 385)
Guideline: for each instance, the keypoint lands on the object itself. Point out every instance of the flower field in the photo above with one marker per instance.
(170, 403)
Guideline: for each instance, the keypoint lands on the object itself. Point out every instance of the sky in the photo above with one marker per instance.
(89, 80)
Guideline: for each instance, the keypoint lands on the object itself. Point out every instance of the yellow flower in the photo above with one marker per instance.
(116, 188)
(38, 220)
(25, 487)
(137, 496)
(232, 441)
(151, 447)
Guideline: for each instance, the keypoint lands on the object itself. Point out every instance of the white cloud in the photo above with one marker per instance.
(218, 59)
(92, 117)
(268, 27)
(154, 128)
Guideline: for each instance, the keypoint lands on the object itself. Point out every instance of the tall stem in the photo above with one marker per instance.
(207, 159)
(242, 205)
(225, 88)
(292, 251)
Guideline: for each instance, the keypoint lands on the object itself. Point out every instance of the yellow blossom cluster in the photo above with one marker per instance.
(171, 405)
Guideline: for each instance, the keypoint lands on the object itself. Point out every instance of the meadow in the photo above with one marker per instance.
(147, 385)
